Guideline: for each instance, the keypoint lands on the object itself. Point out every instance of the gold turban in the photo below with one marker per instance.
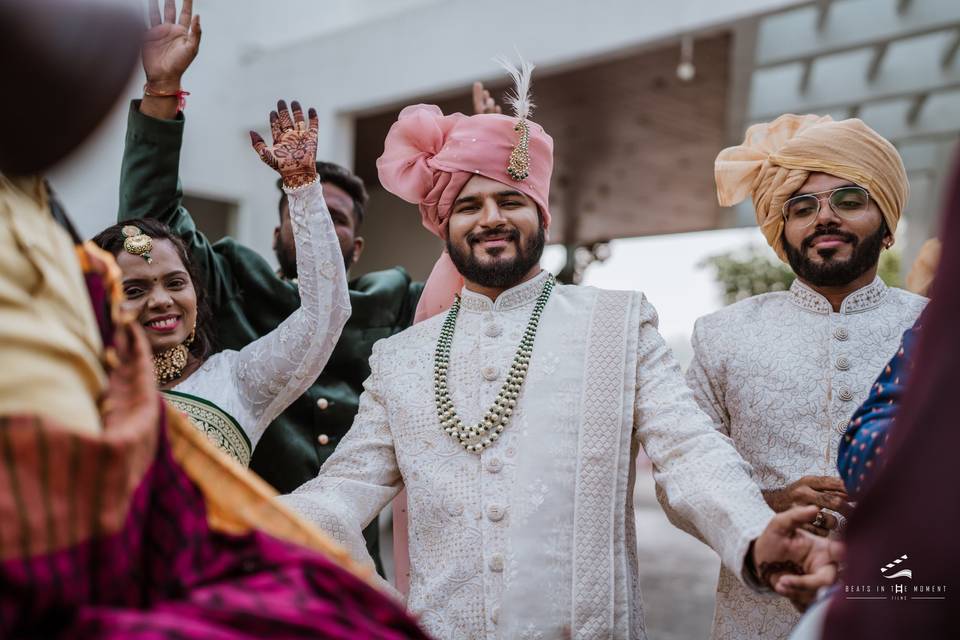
(776, 158)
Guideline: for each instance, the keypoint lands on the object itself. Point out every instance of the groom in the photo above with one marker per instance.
(513, 419)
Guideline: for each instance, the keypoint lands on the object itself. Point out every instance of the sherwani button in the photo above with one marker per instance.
(323, 439)
(842, 363)
(846, 395)
(493, 330)
(322, 404)
(496, 562)
(495, 465)
(841, 333)
(490, 373)
(842, 426)
(495, 512)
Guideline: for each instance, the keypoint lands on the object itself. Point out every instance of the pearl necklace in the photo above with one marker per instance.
(477, 437)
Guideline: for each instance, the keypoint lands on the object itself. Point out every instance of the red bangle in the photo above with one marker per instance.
(180, 95)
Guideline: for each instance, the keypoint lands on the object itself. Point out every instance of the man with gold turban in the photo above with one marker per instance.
(513, 411)
(782, 373)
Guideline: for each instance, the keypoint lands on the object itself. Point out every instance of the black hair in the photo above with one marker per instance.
(111, 240)
(343, 178)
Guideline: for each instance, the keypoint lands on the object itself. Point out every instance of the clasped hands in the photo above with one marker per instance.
(794, 562)
(825, 492)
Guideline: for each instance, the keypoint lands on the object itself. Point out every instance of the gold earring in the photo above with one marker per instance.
(190, 338)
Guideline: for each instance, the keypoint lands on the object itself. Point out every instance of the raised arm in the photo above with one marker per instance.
(276, 369)
(149, 176)
(149, 186)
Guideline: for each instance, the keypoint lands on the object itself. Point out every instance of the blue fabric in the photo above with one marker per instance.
(862, 448)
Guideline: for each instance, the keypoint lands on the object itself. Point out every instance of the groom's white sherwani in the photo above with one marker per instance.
(534, 537)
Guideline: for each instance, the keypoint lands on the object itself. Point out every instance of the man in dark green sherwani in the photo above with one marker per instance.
(248, 297)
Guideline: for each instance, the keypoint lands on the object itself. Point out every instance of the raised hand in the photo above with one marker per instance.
(482, 100)
(170, 45)
(793, 562)
(294, 151)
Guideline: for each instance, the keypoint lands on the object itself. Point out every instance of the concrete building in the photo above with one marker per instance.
(639, 96)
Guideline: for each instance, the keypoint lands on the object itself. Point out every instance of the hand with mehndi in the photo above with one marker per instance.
(294, 151)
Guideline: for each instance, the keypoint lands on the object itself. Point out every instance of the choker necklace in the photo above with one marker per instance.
(477, 437)
(169, 365)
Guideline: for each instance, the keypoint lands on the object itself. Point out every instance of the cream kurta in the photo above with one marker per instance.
(534, 537)
(781, 374)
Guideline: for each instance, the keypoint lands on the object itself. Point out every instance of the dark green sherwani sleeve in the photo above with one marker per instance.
(150, 188)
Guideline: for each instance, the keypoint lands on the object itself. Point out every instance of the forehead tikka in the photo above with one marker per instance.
(136, 242)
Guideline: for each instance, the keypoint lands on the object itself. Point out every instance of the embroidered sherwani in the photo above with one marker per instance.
(781, 374)
(534, 537)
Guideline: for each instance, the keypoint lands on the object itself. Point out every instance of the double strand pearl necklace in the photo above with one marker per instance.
(477, 437)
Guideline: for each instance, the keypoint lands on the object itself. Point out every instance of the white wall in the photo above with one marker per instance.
(369, 53)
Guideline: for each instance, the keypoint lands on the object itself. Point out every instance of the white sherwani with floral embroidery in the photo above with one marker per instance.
(781, 374)
(534, 537)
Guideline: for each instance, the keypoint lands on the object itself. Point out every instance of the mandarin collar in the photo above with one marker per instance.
(863, 299)
(522, 295)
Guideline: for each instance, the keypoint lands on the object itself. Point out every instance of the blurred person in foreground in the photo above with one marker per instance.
(117, 519)
(513, 411)
(781, 373)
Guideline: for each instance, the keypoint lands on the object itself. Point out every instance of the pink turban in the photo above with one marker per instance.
(428, 158)
(776, 158)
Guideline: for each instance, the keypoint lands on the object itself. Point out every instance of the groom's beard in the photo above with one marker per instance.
(498, 274)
